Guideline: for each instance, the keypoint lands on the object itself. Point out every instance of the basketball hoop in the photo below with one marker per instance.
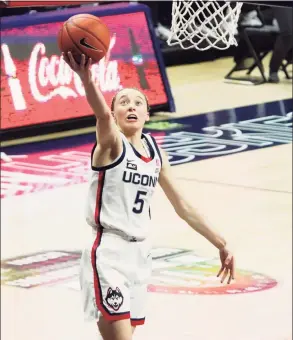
(204, 24)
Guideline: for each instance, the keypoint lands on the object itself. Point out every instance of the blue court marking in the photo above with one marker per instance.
(199, 137)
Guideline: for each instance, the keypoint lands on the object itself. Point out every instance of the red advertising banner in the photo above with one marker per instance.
(37, 86)
(35, 3)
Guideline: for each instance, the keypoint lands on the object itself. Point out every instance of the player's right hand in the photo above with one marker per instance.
(82, 69)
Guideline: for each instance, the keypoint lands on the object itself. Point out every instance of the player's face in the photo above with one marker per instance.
(130, 110)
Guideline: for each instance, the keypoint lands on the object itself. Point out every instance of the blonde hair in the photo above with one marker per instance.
(129, 88)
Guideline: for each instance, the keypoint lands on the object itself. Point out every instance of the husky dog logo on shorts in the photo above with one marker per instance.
(114, 298)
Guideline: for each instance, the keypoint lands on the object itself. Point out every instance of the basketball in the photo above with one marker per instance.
(84, 34)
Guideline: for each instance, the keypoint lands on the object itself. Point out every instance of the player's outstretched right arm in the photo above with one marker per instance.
(107, 132)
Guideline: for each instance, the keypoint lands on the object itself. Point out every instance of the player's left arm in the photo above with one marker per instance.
(188, 213)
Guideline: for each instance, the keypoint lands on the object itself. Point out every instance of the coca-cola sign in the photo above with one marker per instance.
(37, 86)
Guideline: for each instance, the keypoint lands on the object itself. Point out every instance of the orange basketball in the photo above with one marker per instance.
(84, 34)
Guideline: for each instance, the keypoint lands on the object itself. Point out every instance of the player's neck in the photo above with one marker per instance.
(134, 139)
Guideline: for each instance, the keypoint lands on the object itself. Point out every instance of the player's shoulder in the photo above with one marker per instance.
(151, 139)
(148, 135)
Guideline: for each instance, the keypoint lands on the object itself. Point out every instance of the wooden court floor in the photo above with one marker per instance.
(247, 196)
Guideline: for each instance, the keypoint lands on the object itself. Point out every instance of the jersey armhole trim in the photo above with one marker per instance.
(157, 149)
(112, 165)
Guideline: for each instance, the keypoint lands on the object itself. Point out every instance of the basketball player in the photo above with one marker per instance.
(125, 168)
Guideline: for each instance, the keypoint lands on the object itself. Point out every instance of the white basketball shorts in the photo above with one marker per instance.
(114, 274)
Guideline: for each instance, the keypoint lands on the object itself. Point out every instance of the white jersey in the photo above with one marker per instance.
(119, 194)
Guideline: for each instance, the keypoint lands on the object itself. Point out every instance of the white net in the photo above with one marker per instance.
(204, 24)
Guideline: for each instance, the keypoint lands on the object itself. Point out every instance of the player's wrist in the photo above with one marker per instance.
(221, 244)
(87, 81)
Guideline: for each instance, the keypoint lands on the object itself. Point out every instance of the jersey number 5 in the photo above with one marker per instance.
(139, 202)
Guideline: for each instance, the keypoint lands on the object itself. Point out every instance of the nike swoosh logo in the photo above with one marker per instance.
(85, 44)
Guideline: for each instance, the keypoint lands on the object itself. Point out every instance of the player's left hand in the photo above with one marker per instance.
(228, 265)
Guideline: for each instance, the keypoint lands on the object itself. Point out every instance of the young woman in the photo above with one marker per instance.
(125, 168)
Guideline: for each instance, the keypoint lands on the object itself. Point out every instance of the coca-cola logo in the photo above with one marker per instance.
(51, 76)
